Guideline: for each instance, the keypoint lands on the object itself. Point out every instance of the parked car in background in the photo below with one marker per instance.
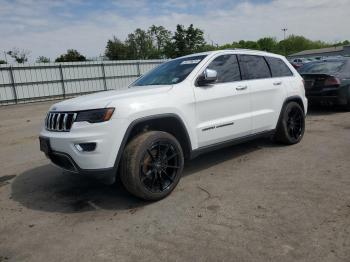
(182, 108)
(299, 62)
(328, 81)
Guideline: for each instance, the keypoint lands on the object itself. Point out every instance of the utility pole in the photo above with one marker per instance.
(284, 39)
(5, 57)
(212, 42)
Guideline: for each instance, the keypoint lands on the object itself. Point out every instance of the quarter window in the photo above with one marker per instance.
(254, 67)
(227, 68)
(278, 67)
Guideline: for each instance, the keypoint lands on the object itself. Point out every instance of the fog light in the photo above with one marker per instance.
(85, 147)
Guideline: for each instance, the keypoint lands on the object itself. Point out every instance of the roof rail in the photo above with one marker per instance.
(246, 49)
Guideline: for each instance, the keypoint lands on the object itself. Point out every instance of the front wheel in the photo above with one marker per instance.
(291, 126)
(152, 164)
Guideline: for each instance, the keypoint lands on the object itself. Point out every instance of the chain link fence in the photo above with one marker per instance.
(40, 82)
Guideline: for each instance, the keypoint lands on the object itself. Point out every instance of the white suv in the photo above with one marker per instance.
(182, 108)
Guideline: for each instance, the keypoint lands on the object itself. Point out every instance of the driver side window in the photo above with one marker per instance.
(227, 68)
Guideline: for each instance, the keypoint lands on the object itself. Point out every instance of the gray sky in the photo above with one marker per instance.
(49, 28)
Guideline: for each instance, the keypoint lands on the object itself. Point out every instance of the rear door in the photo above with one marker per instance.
(223, 108)
(267, 90)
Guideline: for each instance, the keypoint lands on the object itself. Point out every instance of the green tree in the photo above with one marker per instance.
(72, 55)
(42, 59)
(268, 44)
(116, 50)
(207, 48)
(195, 39)
(160, 38)
(233, 45)
(21, 56)
(294, 44)
(346, 42)
(139, 45)
(185, 41)
(158, 42)
(178, 46)
(226, 46)
(248, 45)
(2, 62)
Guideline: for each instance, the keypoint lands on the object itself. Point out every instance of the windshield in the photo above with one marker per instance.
(325, 67)
(172, 72)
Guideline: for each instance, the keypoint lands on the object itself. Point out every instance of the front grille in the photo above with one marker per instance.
(61, 122)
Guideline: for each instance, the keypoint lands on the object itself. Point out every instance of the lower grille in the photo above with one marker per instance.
(63, 162)
(61, 122)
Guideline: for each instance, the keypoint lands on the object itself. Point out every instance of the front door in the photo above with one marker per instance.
(223, 108)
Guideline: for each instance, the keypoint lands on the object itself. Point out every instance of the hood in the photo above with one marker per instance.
(102, 99)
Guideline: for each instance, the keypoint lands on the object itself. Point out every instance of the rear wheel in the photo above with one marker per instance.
(347, 107)
(291, 127)
(152, 164)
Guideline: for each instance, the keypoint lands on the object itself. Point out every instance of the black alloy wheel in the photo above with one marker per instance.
(295, 123)
(159, 166)
(152, 165)
(291, 126)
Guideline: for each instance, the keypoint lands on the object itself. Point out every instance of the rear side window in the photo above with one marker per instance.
(254, 67)
(227, 68)
(278, 67)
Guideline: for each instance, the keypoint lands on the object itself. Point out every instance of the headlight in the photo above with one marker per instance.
(95, 115)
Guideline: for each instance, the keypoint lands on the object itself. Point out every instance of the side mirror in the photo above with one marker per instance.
(209, 76)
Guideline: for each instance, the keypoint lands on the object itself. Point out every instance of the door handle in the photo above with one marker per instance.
(240, 88)
(277, 83)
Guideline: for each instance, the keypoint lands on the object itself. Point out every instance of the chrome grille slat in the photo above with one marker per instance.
(59, 122)
(52, 121)
(65, 122)
(46, 120)
(57, 127)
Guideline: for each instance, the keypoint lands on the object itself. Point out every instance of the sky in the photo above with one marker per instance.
(50, 27)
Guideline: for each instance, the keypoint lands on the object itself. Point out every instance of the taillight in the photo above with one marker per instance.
(332, 81)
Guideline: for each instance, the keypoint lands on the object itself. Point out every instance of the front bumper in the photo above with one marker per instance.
(65, 161)
(99, 163)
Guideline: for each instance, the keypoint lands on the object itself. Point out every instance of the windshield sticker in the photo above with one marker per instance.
(190, 62)
(174, 80)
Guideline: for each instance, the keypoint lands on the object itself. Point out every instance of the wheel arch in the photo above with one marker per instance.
(170, 123)
(296, 99)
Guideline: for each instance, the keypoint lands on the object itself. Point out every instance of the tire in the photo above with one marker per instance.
(347, 106)
(152, 165)
(291, 126)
